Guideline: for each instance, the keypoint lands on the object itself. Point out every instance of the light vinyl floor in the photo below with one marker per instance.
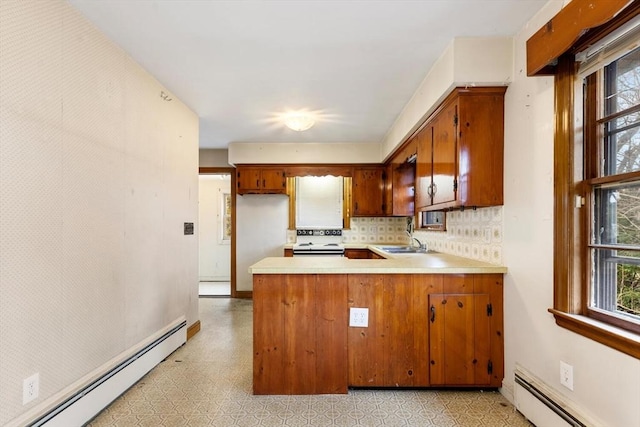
(207, 382)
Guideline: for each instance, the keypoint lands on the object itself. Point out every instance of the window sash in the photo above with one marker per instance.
(605, 181)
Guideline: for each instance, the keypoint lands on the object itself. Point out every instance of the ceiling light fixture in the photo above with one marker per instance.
(299, 121)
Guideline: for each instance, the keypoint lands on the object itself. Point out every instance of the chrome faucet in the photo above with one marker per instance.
(421, 246)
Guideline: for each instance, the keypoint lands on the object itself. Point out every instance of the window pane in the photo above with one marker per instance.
(622, 83)
(622, 145)
(622, 134)
(617, 282)
(617, 214)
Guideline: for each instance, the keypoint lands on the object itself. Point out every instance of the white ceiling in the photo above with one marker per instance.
(237, 64)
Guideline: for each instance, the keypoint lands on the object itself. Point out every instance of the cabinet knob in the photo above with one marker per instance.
(433, 314)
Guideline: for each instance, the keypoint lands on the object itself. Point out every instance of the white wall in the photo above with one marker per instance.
(606, 382)
(261, 231)
(98, 174)
(473, 61)
(214, 250)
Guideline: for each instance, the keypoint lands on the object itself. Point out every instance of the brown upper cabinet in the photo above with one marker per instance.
(460, 151)
(261, 180)
(400, 184)
(368, 195)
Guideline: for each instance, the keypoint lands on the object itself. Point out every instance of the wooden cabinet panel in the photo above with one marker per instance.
(258, 180)
(481, 144)
(268, 334)
(299, 333)
(424, 330)
(331, 315)
(406, 351)
(465, 346)
(401, 181)
(461, 152)
(445, 155)
(248, 179)
(424, 167)
(366, 355)
(274, 180)
(393, 350)
(368, 191)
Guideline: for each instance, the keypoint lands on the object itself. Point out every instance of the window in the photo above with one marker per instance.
(611, 99)
(597, 181)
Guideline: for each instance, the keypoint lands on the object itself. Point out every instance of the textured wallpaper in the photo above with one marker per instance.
(98, 174)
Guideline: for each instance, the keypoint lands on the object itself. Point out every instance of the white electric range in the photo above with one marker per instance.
(324, 242)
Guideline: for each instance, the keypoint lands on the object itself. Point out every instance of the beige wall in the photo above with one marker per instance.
(214, 158)
(98, 174)
(474, 61)
(247, 152)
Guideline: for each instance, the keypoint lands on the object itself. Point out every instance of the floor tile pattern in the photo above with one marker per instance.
(207, 382)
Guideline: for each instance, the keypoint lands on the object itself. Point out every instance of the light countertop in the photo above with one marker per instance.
(414, 263)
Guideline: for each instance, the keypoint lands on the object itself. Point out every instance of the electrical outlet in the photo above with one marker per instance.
(30, 388)
(359, 317)
(566, 375)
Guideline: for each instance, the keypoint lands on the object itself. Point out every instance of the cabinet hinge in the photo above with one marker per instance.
(455, 184)
(455, 120)
(490, 367)
(489, 310)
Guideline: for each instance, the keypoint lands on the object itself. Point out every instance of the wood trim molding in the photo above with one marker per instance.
(193, 329)
(232, 172)
(566, 227)
(244, 294)
(563, 31)
(619, 339)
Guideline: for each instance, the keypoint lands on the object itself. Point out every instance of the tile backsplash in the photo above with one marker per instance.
(475, 234)
(472, 233)
(377, 230)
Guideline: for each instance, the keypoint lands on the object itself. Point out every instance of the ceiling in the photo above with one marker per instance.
(239, 64)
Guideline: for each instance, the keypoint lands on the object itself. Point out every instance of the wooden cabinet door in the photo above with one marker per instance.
(424, 168)
(248, 179)
(458, 337)
(368, 191)
(464, 335)
(445, 155)
(274, 181)
(403, 193)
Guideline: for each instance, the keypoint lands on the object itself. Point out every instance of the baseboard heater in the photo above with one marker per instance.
(542, 405)
(86, 403)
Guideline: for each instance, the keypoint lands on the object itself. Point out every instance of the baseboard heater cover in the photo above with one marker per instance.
(86, 403)
(543, 406)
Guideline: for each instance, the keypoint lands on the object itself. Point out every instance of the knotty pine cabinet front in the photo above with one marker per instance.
(392, 350)
(461, 151)
(465, 332)
(368, 191)
(256, 180)
(419, 336)
(300, 334)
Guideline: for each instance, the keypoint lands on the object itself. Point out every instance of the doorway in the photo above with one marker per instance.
(216, 232)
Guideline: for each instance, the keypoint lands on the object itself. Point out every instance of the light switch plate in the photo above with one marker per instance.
(359, 317)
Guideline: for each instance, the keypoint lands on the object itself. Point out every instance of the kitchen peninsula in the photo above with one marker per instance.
(433, 320)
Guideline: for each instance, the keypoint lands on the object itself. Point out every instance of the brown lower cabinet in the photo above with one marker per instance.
(425, 330)
(300, 334)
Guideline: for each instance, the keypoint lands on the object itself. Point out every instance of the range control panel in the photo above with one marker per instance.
(334, 232)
